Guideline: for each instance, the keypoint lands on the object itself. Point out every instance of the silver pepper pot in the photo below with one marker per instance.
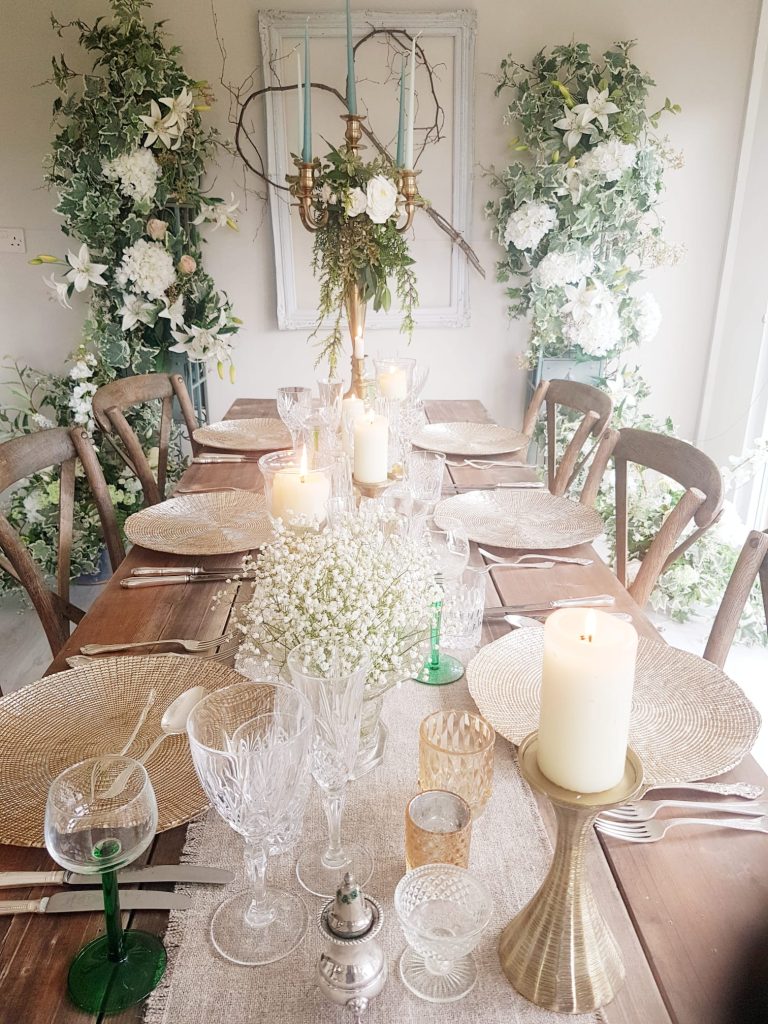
(352, 968)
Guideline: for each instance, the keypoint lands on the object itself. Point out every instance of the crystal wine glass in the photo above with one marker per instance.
(91, 832)
(443, 911)
(250, 744)
(293, 407)
(424, 472)
(333, 681)
(449, 547)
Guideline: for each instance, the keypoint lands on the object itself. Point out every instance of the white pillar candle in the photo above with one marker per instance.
(371, 448)
(587, 680)
(358, 349)
(393, 383)
(298, 491)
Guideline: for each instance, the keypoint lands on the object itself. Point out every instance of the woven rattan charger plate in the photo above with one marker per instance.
(689, 720)
(213, 523)
(521, 519)
(470, 438)
(90, 711)
(254, 435)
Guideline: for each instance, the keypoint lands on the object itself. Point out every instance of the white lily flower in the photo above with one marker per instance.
(84, 272)
(219, 214)
(179, 108)
(202, 343)
(61, 289)
(136, 310)
(573, 125)
(159, 128)
(597, 108)
(174, 312)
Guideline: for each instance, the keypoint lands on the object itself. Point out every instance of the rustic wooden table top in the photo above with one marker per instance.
(682, 910)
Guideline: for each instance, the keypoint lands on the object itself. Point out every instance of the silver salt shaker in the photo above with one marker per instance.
(352, 969)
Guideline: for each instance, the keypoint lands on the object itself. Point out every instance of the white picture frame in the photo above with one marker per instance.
(453, 33)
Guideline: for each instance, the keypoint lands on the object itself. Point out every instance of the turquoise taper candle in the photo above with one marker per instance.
(351, 88)
(299, 107)
(401, 117)
(306, 149)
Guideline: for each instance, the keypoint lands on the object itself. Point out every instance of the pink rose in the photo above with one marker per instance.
(156, 229)
(187, 265)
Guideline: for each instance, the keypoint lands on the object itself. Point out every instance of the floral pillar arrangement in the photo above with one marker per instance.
(126, 164)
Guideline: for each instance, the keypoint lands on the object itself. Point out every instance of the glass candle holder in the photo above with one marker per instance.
(394, 377)
(438, 829)
(463, 610)
(456, 754)
(297, 485)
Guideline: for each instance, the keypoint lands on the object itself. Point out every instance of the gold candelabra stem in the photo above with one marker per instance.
(353, 133)
(311, 218)
(558, 952)
(409, 192)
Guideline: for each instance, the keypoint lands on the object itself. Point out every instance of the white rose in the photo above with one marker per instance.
(381, 199)
(356, 203)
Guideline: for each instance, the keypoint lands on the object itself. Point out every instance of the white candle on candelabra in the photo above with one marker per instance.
(299, 491)
(587, 679)
(371, 434)
(393, 383)
(358, 347)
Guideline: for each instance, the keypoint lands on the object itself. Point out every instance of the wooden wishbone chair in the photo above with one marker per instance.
(109, 405)
(23, 456)
(751, 563)
(701, 501)
(596, 406)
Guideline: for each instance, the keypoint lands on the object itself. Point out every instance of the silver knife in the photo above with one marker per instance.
(600, 601)
(128, 876)
(515, 485)
(180, 570)
(92, 899)
(158, 581)
(204, 460)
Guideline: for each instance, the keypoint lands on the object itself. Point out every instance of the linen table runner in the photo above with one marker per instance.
(510, 852)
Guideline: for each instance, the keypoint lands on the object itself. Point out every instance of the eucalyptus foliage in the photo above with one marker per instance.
(576, 214)
(360, 244)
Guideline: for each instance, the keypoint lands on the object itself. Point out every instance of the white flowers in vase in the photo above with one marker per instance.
(360, 582)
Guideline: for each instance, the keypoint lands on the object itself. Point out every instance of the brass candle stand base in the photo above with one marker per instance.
(558, 951)
(371, 490)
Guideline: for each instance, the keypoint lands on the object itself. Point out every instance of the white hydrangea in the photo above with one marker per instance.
(591, 318)
(358, 582)
(81, 404)
(527, 225)
(83, 366)
(608, 159)
(558, 269)
(647, 316)
(137, 173)
(149, 266)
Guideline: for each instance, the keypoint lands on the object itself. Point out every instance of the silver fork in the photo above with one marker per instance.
(224, 653)
(513, 565)
(193, 646)
(644, 810)
(653, 831)
(563, 559)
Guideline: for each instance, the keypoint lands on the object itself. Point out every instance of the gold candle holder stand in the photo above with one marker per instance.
(558, 951)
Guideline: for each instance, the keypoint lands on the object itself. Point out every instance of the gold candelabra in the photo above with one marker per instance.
(314, 219)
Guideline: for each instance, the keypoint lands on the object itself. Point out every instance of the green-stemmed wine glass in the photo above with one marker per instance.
(449, 547)
(91, 832)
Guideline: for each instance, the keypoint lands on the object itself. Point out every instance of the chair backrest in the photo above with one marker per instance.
(701, 501)
(23, 456)
(109, 405)
(751, 563)
(596, 406)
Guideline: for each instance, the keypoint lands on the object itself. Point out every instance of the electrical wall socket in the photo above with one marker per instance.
(12, 240)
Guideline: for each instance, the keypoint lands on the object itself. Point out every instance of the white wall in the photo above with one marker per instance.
(699, 51)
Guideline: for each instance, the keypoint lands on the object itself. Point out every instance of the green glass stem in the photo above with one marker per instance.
(434, 634)
(111, 893)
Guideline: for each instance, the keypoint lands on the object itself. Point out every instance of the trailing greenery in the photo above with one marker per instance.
(577, 213)
(360, 244)
(126, 163)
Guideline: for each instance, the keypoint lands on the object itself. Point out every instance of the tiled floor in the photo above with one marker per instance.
(24, 653)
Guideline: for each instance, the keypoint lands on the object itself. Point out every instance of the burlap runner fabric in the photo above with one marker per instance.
(510, 852)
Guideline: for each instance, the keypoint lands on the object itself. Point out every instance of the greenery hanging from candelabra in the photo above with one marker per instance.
(359, 245)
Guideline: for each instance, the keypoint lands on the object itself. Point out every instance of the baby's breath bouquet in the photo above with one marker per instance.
(359, 583)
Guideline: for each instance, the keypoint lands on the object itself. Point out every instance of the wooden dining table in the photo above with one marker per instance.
(683, 910)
